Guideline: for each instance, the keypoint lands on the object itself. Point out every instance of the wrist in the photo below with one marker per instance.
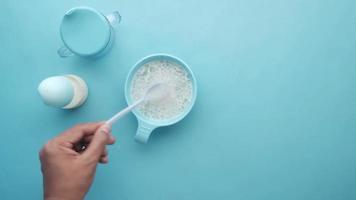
(62, 191)
(61, 198)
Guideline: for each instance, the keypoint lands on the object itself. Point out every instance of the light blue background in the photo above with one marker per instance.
(275, 116)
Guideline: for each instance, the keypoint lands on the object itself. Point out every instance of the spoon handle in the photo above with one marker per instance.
(123, 112)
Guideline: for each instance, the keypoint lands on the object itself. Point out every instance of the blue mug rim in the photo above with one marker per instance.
(102, 16)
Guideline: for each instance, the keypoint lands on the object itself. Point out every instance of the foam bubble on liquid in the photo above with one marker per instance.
(175, 77)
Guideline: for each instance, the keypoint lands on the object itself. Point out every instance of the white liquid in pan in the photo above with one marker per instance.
(179, 84)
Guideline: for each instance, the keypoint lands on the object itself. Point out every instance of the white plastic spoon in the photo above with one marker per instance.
(156, 92)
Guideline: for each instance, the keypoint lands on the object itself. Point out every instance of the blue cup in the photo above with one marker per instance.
(86, 32)
(146, 125)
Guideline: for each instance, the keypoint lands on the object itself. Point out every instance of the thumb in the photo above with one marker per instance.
(97, 146)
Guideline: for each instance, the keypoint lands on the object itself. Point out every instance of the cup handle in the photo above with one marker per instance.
(114, 18)
(144, 131)
(64, 52)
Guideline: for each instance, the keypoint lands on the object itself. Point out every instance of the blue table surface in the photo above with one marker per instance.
(275, 116)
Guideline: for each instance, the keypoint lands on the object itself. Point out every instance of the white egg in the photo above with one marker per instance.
(56, 91)
(67, 92)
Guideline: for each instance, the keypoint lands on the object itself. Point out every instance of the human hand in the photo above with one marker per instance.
(68, 162)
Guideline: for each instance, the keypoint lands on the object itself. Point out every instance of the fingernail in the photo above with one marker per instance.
(106, 129)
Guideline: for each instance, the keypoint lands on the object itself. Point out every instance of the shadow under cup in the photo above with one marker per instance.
(146, 125)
